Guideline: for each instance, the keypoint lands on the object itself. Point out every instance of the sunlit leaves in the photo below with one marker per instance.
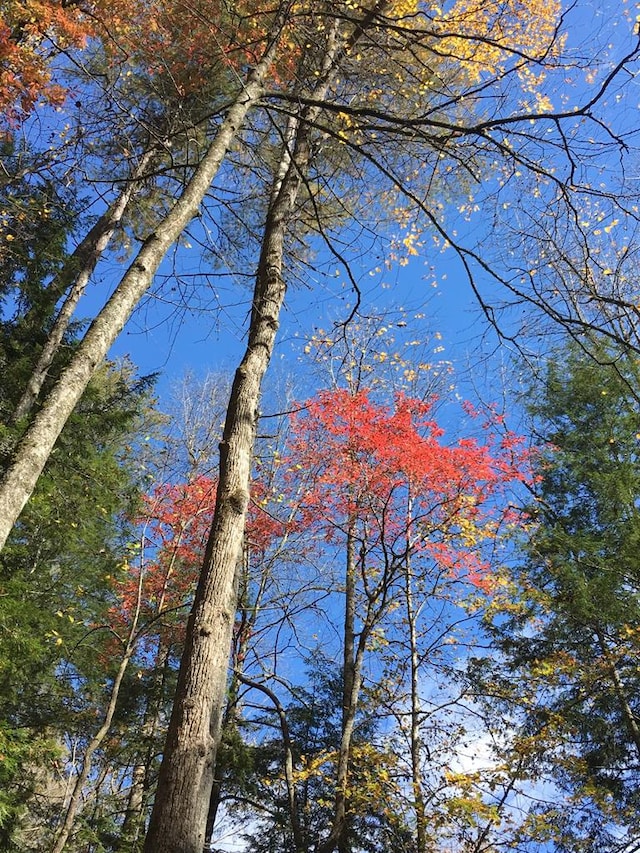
(367, 461)
(29, 32)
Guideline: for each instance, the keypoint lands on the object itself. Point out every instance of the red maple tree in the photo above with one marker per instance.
(174, 524)
(388, 469)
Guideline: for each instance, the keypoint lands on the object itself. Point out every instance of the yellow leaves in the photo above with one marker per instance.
(632, 632)
(467, 529)
(55, 635)
(406, 247)
(543, 669)
(311, 767)
(472, 809)
(467, 803)
(371, 774)
(552, 668)
(408, 242)
(403, 9)
(528, 26)
(543, 103)
(319, 345)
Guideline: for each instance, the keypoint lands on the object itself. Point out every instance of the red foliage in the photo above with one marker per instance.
(174, 530)
(190, 45)
(185, 44)
(387, 469)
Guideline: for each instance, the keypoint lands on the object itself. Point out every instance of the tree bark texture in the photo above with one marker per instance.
(631, 722)
(178, 822)
(415, 734)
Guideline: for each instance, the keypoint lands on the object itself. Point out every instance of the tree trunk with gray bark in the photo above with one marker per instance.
(32, 453)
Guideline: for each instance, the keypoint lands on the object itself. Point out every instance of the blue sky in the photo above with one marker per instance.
(208, 335)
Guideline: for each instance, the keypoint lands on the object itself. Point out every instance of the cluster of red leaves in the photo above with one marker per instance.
(369, 463)
(385, 467)
(189, 46)
(182, 42)
(174, 528)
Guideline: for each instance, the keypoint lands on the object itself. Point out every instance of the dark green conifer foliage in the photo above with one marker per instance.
(314, 720)
(572, 643)
(55, 572)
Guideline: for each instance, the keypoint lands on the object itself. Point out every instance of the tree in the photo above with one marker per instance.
(295, 820)
(54, 567)
(40, 438)
(25, 77)
(318, 104)
(383, 485)
(569, 640)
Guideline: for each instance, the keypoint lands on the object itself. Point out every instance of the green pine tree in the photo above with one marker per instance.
(569, 626)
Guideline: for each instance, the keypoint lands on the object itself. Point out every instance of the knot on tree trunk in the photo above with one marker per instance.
(239, 500)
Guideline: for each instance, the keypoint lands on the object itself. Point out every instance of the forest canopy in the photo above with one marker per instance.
(384, 599)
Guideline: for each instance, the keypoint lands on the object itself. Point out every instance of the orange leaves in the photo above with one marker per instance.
(200, 45)
(29, 32)
(187, 44)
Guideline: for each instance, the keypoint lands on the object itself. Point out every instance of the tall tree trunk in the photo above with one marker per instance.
(75, 275)
(133, 824)
(350, 682)
(415, 739)
(179, 817)
(33, 451)
(242, 631)
(130, 832)
(249, 611)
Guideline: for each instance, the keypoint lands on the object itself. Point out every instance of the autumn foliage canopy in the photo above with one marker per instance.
(389, 470)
